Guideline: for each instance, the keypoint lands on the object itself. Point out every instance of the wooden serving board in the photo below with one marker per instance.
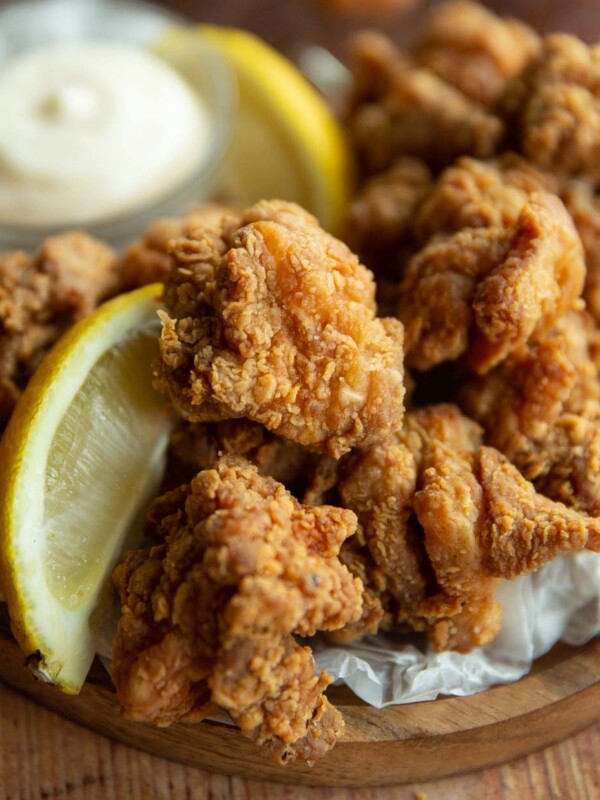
(403, 744)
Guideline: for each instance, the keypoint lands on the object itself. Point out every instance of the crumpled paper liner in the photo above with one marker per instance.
(560, 602)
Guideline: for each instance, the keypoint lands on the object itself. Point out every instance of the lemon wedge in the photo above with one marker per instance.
(286, 142)
(80, 460)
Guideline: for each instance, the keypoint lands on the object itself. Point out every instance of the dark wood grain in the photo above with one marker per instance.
(401, 744)
(42, 757)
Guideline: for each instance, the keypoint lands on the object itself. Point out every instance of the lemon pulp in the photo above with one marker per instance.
(101, 443)
(81, 459)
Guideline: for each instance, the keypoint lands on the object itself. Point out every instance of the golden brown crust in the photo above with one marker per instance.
(270, 318)
(483, 292)
(582, 203)
(474, 50)
(198, 446)
(399, 108)
(81, 271)
(148, 260)
(208, 614)
(379, 484)
(479, 194)
(554, 106)
(541, 408)
(40, 297)
(380, 220)
(443, 520)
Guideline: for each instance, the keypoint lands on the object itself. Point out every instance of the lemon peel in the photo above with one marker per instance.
(286, 142)
(82, 456)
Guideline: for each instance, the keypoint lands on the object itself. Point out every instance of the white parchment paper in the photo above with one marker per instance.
(560, 602)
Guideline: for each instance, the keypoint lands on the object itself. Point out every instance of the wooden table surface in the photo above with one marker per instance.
(43, 756)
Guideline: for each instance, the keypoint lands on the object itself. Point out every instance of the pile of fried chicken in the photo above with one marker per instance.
(321, 487)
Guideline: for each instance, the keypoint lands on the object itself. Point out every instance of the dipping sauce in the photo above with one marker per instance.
(92, 131)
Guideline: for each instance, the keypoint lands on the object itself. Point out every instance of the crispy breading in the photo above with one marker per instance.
(208, 614)
(41, 297)
(473, 49)
(199, 446)
(379, 484)
(147, 260)
(399, 108)
(479, 194)
(81, 271)
(270, 318)
(583, 204)
(376, 599)
(443, 520)
(554, 108)
(482, 293)
(380, 220)
(541, 408)
(399, 210)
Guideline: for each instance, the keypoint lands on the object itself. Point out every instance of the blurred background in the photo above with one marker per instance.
(294, 27)
(286, 23)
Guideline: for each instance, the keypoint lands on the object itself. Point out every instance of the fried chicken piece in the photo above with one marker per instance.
(474, 50)
(380, 220)
(379, 485)
(376, 599)
(270, 318)
(41, 297)
(475, 194)
(541, 408)
(583, 205)
(443, 520)
(199, 446)
(479, 194)
(81, 270)
(482, 525)
(482, 293)
(402, 208)
(554, 107)
(208, 615)
(399, 108)
(148, 260)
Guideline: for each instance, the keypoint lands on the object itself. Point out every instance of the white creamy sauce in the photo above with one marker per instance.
(92, 131)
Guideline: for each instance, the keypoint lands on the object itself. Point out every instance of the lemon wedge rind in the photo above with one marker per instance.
(57, 636)
(286, 141)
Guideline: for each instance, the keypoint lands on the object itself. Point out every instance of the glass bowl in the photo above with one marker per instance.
(35, 23)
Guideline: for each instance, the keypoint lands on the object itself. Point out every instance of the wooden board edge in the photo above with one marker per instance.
(395, 747)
